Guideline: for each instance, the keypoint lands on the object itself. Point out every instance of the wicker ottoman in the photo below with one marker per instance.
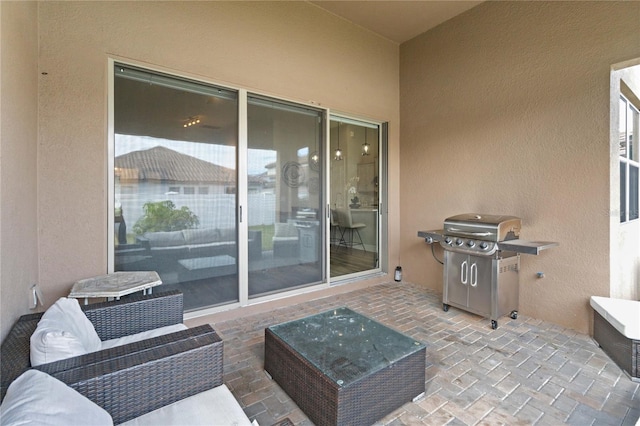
(343, 368)
(616, 328)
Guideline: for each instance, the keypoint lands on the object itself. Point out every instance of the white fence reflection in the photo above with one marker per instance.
(213, 210)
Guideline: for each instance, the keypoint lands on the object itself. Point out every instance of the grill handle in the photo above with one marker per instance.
(474, 275)
(469, 234)
(463, 273)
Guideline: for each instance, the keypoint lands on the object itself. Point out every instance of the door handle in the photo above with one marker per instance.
(463, 273)
(474, 275)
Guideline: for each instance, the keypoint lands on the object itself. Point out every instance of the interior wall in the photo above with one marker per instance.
(291, 50)
(505, 110)
(18, 158)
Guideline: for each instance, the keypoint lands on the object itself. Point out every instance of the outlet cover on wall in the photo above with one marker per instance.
(35, 297)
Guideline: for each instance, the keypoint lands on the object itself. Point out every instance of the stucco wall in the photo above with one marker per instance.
(292, 50)
(625, 247)
(18, 158)
(505, 110)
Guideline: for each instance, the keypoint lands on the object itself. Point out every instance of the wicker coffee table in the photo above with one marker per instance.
(341, 367)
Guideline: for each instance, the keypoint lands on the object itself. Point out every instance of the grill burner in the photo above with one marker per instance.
(482, 263)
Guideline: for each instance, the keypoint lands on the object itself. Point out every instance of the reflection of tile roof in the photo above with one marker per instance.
(160, 163)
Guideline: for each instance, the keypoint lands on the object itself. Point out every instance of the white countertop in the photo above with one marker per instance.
(116, 284)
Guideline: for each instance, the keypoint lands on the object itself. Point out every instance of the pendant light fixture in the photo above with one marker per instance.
(314, 162)
(338, 154)
(365, 145)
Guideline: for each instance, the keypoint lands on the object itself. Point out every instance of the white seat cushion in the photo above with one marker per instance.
(143, 335)
(216, 406)
(623, 315)
(64, 331)
(36, 398)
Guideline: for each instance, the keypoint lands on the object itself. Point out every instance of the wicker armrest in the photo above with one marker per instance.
(137, 378)
(143, 241)
(111, 320)
(135, 313)
(15, 350)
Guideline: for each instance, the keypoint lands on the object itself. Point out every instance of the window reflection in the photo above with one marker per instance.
(174, 161)
(285, 195)
(354, 197)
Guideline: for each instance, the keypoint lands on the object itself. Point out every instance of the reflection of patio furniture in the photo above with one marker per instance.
(199, 268)
(166, 247)
(343, 368)
(121, 225)
(285, 240)
(335, 228)
(347, 228)
(135, 378)
(127, 256)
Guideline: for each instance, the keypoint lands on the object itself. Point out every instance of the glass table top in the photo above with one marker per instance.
(344, 344)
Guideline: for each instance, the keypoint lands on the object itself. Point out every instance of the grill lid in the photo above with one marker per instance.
(483, 226)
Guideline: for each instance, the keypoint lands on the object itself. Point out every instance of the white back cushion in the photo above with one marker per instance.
(36, 398)
(64, 331)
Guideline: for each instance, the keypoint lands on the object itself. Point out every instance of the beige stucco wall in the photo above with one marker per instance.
(625, 246)
(505, 110)
(292, 50)
(18, 158)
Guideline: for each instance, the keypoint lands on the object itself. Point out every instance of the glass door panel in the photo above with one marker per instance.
(284, 196)
(354, 196)
(175, 184)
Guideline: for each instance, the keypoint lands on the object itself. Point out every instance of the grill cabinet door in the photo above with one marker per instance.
(456, 279)
(480, 282)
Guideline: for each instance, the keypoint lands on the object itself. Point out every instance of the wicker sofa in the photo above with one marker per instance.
(130, 380)
(189, 242)
(163, 247)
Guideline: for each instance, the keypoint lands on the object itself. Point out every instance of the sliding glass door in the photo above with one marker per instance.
(224, 192)
(175, 184)
(354, 196)
(284, 195)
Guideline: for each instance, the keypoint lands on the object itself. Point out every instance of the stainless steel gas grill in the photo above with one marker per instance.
(482, 263)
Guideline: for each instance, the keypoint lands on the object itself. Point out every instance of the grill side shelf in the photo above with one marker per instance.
(434, 236)
(526, 247)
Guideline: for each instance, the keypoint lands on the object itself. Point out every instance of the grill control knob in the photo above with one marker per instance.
(459, 242)
(447, 240)
(471, 243)
(484, 246)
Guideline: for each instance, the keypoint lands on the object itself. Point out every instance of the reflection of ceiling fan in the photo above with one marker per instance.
(196, 121)
(209, 126)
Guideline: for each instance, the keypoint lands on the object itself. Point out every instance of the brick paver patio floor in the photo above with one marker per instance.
(525, 372)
